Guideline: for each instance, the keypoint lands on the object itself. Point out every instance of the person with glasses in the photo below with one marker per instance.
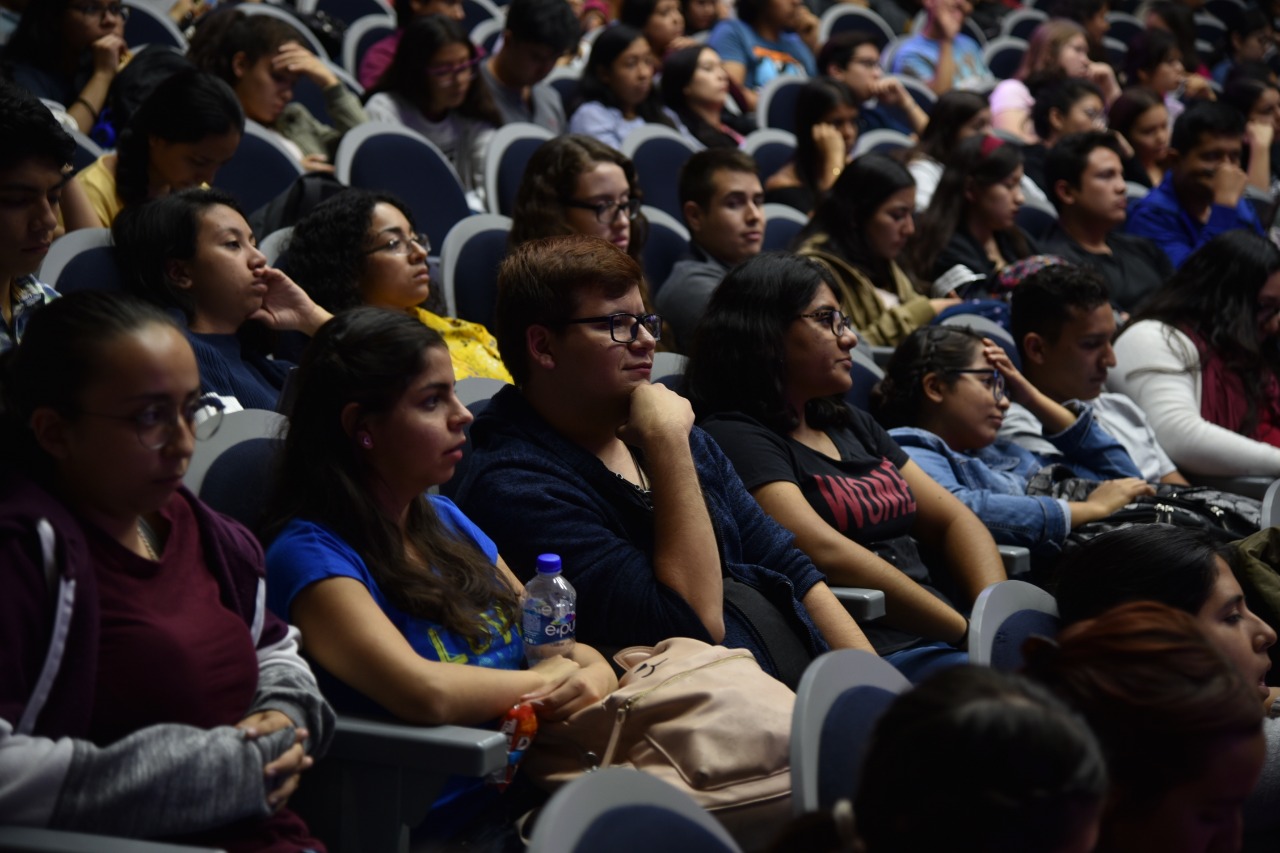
(262, 58)
(586, 459)
(943, 399)
(769, 369)
(1062, 107)
(578, 185)
(432, 87)
(853, 58)
(859, 233)
(69, 51)
(193, 252)
(1200, 359)
(145, 690)
(361, 248)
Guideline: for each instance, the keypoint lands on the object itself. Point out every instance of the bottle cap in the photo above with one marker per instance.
(548, 564)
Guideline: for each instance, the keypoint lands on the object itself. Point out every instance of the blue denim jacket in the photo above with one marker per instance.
(993, 481)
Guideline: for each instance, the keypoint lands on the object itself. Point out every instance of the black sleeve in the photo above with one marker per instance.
(759, 455)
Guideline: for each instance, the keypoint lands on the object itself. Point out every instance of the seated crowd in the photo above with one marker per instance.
(1082, 323)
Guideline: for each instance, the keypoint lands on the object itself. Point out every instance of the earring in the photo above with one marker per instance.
(366, 441)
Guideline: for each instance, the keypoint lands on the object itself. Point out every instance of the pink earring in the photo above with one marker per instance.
(366, 441)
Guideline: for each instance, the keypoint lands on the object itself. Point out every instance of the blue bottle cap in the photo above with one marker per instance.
(548, 564)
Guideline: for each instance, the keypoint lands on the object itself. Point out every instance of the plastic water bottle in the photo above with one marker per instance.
(549, 610)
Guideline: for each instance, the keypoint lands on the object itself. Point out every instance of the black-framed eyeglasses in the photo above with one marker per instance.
(402, 245)
(453, 70)
(100, 10)
(156, 423)
(836, 320)
(994, 381)
(624, 328)
(607, 211)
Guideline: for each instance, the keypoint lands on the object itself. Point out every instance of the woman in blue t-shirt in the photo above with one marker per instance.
(392, 588)
(769, 370)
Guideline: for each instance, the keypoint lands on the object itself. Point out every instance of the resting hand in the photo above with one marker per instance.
(890, 91)
(1111, 495)
(830, 145)
(1196, 86)
(656, 412)
(108, 52)
(317, 163)
(293, 58)
(1229, 181)
(1259, 134)
(283, 772)
(287, 306)
(578, 689)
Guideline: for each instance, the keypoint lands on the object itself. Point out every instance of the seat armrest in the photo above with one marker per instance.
(446, 749)
(863, 605)
(30, 839)
(1017, 561)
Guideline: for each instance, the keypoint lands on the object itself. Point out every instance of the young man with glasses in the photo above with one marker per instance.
(586, 459)
(1084, 174)
(853, 58)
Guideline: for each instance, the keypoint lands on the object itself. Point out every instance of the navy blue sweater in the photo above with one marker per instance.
(534, 492)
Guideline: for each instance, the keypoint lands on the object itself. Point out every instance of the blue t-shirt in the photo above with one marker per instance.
(306, 552)
(918, 56)
(764, 60)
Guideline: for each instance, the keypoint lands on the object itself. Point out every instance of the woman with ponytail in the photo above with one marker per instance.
(181, 134)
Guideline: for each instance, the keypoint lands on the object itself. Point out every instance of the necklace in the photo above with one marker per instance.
(149, 540)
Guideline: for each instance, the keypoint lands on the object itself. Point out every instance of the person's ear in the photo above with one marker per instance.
(51, 432)
(1056, 120)
(351, 418)
(933, 387)
(541, 343)
(240, 65)
(692, 216)
(1063, 190)
(178, 274)
(969, 194)
(1034, 348)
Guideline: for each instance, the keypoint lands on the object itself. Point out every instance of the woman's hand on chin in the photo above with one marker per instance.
(287, 307)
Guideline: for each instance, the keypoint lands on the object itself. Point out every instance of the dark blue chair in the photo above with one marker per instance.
(658, 153)
(147, 26)
(363, 34)
(388, 158)
(1036, 219)
(509, 152)
(866, 373)
(782, 223)
(311, 96)
(668, 240)
(1004, 616)
(771, 148)
(260, 170)
(82, 260)
(845, 18)
(777, 104)
(1004, 55)
(469, 261)
(350, 11)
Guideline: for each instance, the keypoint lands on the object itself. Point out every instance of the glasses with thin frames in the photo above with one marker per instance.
(155, 425)
(995, 381)
(836, 320)
(101, 10)
(402, 246)
(607, 211)
(453, 70)
(624, 328)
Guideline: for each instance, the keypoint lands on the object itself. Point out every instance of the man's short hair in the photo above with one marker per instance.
(1067, 160)
(550, 23)
(28, 130)
(1040, 303)
(541, 283)
(1061, 95)
(1206, 118)
(840, 48)
(697, 177)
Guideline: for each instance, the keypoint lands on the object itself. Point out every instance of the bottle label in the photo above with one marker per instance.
(545, 622)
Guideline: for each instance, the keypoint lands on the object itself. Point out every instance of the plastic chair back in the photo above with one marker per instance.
(659, 152)
(668, 240)
(311, 96)
(236, 427)
(1036, 219)
(1004, 616)
(82, 260)
(509, 152)
(388, 158)
(782, 223)
(881, 141)
(844, 18)
(1021, 23)
(469, 260)
(866, 373)
(348, 11)
(476, 12)
(771, 148)
(362, 35)
(260, 170)
(86, 151)
(849, 688)
(147, 26)
(776, 106)
(1004, 55)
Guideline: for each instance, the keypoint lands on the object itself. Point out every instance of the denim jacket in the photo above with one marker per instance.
(993, 481)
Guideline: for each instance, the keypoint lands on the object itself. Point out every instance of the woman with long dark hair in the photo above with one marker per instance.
(617, 95)
(695, 87)
(826, 130)
(1142, 118)
(146, 690)
(1200, 358)
(435, 88)
(858, 233)
(767, 375)
(1259, 103)
(187, 128)
(399, 596)
(955, 117)
(362, 248)
(971, 221)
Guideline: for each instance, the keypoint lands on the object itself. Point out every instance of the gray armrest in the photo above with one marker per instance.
(1017, 561)
(863, 605)
(380, 779)
(27, 839)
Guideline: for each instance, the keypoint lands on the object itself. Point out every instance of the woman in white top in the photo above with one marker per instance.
(432, 87)
(1200, 359)
(1059, 48)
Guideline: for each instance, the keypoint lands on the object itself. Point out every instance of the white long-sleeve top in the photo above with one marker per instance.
(1159, 368)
